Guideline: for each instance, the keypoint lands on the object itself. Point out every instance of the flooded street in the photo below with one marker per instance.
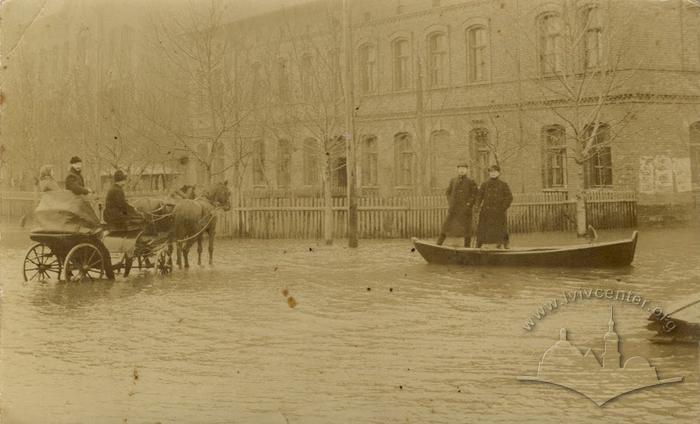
(374, 335)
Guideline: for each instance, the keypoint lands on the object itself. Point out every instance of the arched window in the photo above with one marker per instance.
(338, 153)
(311, 161)
(437, 59)
(695, 153)
(477, 54)
(592, 38)
(284, 163)
(368, 69)
(598, 163)
(402, 60)
(370, 161)
(307, 69)
(259, 163)
(481, 154)
(554, 156)
(550, 43)
(405, 159)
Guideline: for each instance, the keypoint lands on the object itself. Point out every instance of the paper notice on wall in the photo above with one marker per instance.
(646, 174)
(663, 174)
(681, 174)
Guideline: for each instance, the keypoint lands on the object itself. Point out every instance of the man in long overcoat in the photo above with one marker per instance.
(461, 194)
(74, 179)
(118, 213)
(494, 200)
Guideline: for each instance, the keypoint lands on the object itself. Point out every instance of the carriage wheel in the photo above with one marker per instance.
(41, 264)
(164, 264)
(84, 263)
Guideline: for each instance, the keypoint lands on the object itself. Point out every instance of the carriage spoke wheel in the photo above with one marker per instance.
(41, 264)
(84, 263)
(164, 264)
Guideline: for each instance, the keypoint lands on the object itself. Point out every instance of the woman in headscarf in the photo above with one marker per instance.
(47, 182)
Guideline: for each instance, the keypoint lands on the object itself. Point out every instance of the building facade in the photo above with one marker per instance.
(567, 95)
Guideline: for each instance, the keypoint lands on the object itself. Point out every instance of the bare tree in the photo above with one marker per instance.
(197, 47)
(311, 108)
(583, 73)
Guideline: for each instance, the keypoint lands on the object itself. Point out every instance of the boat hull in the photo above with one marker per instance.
(608, 254)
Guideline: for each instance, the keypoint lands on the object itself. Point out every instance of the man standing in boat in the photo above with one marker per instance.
(493, 202)
(461, 194)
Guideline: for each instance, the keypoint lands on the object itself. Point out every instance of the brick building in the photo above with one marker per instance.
(563, 94)
(484, 81)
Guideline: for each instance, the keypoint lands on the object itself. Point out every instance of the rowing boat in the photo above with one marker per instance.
(599, 254)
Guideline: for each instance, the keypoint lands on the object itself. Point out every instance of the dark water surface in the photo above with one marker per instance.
(376, 336)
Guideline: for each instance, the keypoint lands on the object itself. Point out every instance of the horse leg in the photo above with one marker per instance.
(186, 252)
(199, 250)
(211, 246)
(178, 248)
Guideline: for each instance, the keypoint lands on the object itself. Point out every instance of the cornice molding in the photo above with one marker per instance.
(627, 98)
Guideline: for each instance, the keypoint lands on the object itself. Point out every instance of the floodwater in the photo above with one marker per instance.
(374, 335)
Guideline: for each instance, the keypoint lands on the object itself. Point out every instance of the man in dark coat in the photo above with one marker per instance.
(461, 194)
(74, 180)
(494, 200)
(119, 214)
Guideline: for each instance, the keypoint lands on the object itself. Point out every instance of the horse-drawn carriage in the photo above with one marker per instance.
(72, 243)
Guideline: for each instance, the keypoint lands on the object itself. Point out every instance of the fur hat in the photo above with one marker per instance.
(75, 159)
(119, 175)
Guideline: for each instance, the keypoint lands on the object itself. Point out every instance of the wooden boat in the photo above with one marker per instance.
(604, 254)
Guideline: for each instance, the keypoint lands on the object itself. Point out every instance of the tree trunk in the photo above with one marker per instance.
(327, 204)
(579, 195)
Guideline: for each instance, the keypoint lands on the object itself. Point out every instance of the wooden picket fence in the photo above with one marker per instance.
(395, 217)
(418, 216)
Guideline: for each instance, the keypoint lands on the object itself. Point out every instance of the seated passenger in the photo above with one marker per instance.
(46, 180)
(118, 214)
(75, 181)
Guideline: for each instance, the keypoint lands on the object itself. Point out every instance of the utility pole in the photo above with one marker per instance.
(350, 139)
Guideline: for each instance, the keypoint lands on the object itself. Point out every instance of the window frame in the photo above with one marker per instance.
(284, 163)
(471, 54)
(401, 65)
(595, 162)
(544, 37)
(370, 161)
(404, 160)
(598, 29)
(258, 165)
(311, 160)
(367, 54)
(550, 150)
(438, 73)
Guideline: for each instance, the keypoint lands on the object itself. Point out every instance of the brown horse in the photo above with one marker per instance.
(193, 218)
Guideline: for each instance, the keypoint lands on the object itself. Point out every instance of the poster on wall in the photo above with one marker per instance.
(646, 175)
(663, 174)
(681, 174)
